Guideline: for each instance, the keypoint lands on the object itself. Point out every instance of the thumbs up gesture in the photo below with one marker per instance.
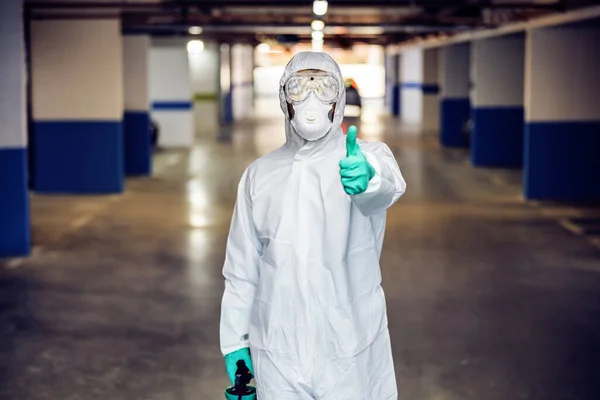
(355, 170)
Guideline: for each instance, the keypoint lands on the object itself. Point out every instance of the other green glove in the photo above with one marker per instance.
(355, 170)
(231, 360)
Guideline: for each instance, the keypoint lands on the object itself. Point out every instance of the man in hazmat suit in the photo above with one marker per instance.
(303, 304)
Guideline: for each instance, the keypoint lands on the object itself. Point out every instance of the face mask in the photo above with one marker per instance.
(311, 118)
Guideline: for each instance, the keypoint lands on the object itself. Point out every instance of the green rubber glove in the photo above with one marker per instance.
(232, 358)
(355, 170)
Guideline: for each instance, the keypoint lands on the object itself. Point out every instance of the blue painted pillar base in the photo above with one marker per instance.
(389, 94)
(79, 157)
(497, 137)
(396, 100)
(15, 237)
(228, 100)
(454, 114)
(138, 143)
(562, 161)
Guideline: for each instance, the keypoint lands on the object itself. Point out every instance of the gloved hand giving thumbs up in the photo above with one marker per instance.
(355, 170)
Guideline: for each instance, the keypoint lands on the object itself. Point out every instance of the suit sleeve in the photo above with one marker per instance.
(387, 185)
(241, 273)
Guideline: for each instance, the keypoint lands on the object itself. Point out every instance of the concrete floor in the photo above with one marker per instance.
(489, 297)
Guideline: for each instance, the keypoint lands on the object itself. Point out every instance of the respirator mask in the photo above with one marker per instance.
(312, 97)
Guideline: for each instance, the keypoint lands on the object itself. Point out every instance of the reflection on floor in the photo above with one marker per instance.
(489, 297)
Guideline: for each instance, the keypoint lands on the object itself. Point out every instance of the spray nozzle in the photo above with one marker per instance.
(243, 376)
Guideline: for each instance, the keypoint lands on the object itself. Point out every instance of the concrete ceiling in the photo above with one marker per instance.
(347, 21)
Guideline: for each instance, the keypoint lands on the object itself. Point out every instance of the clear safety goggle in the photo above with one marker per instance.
(324, 85)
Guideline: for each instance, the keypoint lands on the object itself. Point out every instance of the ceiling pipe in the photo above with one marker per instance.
(401, 26)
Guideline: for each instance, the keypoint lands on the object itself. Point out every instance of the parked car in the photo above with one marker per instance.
(352, 95)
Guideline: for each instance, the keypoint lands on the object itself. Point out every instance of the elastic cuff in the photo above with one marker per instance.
(233, 349)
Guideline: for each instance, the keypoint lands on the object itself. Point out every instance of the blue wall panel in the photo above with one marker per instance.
(562, 161)
(79, 156)
(14, 203)
(426, 88)
(138, 144)
(497, 137)
(454, 114)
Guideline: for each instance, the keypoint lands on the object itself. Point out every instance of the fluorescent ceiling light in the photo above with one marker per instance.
(318, 35)
(195, 46)
(194, 30)
(317, 25)
(320, 7)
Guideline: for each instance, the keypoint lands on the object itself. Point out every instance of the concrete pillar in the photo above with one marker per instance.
(497, 74)
(389, 81)
(396, 104)
(171, 93)
(242, 70)
(204, 70)
(562, 129)
(411, 85)
(14, 200)
(420, 89)
(77, 95)
(138, 148)
(392, 82)
(225, 89)
(455, 106)
(431, 91)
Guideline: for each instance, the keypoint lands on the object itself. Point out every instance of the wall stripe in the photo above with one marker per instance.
(205, 97)
(426, 88)
(172, 105)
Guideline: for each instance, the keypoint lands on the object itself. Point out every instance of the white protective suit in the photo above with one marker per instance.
(302, 277)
